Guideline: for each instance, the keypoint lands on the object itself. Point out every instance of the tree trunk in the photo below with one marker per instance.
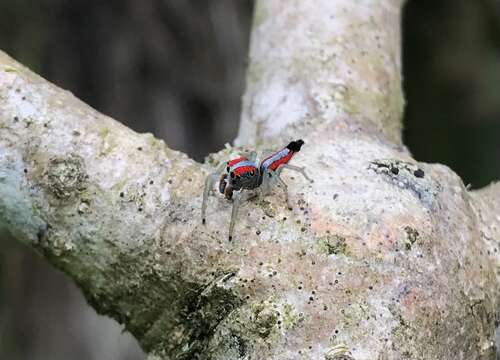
(381, 258)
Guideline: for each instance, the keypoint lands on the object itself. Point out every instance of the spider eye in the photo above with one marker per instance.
(227, 169)
(232, 174)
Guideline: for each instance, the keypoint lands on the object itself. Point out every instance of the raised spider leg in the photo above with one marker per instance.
(294, 168)
(285, 187)
(209, 185)
(268, 177)
(238, 198)
(277, 175)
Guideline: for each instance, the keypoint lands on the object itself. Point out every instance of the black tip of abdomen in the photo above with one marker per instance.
(295, 145)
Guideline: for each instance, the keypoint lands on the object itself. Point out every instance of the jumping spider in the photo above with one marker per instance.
(243, 174)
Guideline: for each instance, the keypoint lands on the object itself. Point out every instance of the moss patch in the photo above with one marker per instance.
(333, 244)
(66, 177)
(411, 237)
(290, 317)
(264, 318)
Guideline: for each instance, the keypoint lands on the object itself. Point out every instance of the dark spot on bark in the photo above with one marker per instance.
(419, 173)
(42, 231)
(405, 175)
(16, 119)
(139, 148)
(122, 194)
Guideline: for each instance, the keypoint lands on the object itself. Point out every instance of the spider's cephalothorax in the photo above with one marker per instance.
(243, 174)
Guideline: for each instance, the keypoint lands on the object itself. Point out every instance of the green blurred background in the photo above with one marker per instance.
(176, 68)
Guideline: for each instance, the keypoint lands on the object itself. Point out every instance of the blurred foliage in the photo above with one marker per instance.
(176, 68)
(452, 85)
(171, 67)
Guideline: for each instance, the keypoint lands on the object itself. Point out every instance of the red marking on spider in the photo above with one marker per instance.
(242, 173)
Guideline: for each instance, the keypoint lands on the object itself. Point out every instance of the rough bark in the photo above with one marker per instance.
(319, 63)
(381, 258)
(486, 204)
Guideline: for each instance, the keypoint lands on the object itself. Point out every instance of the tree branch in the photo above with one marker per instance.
(381, 258)
(94, 198)
(320, 63)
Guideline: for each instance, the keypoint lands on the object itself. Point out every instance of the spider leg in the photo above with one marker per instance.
(284, 186)
(271, 176)
(294, 168)
(209, 185)
(238, 198)
(234, 214)
(267, 180)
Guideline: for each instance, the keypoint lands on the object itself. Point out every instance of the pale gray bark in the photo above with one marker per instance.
(381, 258)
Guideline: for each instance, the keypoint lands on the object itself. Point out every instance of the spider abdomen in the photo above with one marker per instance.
(281, 157)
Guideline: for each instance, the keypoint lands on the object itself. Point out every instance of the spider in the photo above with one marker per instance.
(243, 174)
